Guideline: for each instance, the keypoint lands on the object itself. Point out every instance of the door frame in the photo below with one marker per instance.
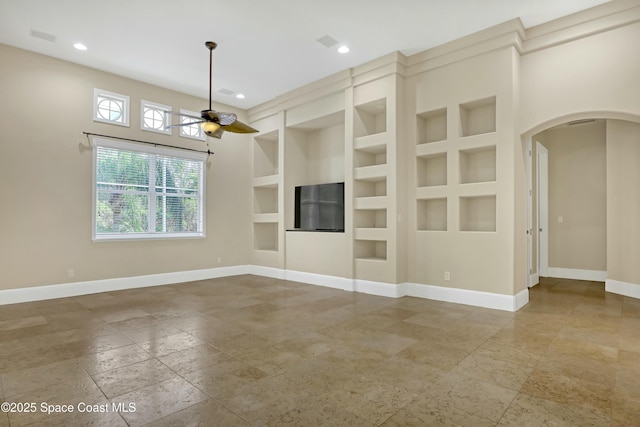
(542, 167)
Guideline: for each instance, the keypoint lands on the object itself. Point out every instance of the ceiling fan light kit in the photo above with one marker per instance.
(215, 123)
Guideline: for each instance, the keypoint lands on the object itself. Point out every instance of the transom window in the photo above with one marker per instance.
(146, 192)
(109, 107)
(193, 131)
(155, 117)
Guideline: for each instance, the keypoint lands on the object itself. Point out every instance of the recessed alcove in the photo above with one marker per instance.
(265, 236)
(370, 188)
(265, 199)
(370, 218)
(432, 126)
(265, 155)
(478, 117)
(431, 170)
(478, 165)
(370, 249)
(370, 118)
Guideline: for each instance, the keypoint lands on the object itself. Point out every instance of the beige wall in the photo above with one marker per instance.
(596, 74)
(623, 207)
(580, 66)
(46, 170)
(577, 196)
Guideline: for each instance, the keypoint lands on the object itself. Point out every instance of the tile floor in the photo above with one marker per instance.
(249, 350)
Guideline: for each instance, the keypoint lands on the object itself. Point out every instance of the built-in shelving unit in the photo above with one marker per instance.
(375, 180)
(266, 195)
(455, 165)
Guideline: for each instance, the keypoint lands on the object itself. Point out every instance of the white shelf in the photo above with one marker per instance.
(269, 181)
(265, 236)
(375, 144)
(371, 173)
(371, 203)
(265, 218)
(376, 234)
(371, 249)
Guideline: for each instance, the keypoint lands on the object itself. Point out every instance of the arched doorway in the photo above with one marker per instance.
(600, 244)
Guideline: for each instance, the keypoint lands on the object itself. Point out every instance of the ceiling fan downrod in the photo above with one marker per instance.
(210, 45)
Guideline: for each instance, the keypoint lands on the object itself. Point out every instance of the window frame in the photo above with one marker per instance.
(201, 135)
(116, 96)
(164, 109)
(152, 150)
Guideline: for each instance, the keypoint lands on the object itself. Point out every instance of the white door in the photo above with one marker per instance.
(529, 172)
(543, 209)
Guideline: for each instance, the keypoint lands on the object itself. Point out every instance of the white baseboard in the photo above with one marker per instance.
(258, 270)
(381, 289)
(534, 279)
(319, 280)
(460, 296)
(469, 297)
(577, 274)
(38, 293)
(622, 288)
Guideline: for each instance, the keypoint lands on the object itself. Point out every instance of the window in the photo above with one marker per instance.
(193, 131)
(155, 117)
(146, 192)
(109, 107)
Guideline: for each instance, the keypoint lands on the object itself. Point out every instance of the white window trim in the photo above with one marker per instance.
(164, 109)
(201, 135)
(125, 113)
(109, 143)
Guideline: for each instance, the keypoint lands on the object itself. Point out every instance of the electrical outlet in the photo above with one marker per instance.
(447, 276)
(219, 260)
(71, 273)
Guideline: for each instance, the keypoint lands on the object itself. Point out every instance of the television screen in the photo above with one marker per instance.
(320, 207)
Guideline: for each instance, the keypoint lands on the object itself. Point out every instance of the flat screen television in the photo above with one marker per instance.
(320, 207)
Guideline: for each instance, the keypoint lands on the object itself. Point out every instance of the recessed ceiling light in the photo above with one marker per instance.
(240, 96)
(343, 49)
(79, 46)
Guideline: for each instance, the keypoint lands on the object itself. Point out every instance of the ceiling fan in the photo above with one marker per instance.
(214, 123)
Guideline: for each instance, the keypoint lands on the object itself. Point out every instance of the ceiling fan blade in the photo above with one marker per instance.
(184, 124)
(223, 119)
(175, 113)
(239, 127)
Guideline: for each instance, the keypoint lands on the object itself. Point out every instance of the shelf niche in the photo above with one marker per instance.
(370, 118)
(265, 236)
(371, 249)
(365, 158)
(478, 213)
(265, 200)
(432, 214)
(478, 165)
(478, 117)
(370, 218)
(432, 126)
(265, 155)
(431, 170)
(370, 188)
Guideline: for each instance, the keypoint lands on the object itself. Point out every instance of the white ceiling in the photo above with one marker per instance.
(265, 47)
